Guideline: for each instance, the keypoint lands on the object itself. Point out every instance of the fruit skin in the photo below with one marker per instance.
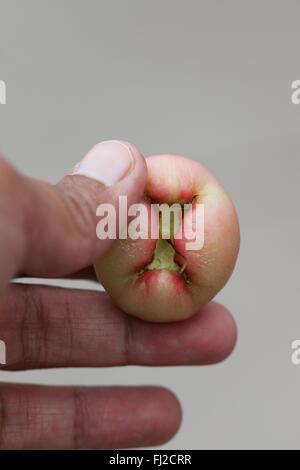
(163, 295)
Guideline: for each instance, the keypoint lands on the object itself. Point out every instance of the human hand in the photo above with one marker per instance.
(49, 231)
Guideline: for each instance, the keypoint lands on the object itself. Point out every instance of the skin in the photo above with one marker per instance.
(49, 231)
(162, 294)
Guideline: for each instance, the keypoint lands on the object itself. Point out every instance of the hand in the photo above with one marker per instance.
(49, 231)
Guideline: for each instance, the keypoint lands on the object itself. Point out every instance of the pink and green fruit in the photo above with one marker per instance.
(160, 280)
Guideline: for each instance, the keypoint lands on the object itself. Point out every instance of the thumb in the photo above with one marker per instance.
(61, 220)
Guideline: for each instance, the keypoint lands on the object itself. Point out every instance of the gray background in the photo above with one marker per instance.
(210, 80)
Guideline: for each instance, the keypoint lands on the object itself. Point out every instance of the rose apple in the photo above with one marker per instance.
(159, 279)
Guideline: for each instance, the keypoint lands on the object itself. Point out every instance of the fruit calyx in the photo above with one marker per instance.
(164, 253)
(163, 258)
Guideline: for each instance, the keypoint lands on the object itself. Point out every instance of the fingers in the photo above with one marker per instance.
(53, 327)
(34, 417)
(51, 230)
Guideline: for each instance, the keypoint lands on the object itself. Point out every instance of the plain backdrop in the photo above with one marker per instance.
(210, 80)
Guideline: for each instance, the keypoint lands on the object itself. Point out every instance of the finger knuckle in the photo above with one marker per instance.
(80, 212)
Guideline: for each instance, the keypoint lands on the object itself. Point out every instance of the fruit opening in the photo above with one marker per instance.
(163, 258)
(165, 251)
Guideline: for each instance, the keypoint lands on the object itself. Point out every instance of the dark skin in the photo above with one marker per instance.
(49, 231)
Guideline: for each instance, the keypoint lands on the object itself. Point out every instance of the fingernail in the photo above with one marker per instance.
(107, 162)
